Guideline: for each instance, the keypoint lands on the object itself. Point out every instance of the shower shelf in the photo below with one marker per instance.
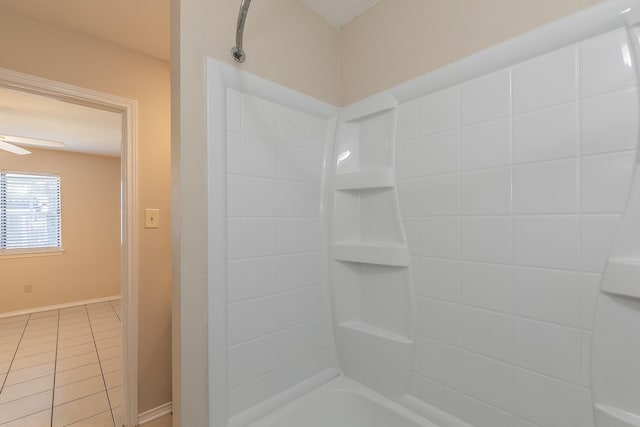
(616, 417)
(372, 253)
(364, 110)
(622, 277)
(369, 329)
(372, 287)
(377, 178)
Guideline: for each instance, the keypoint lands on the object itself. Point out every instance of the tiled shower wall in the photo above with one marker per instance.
(511, 188)
(278, 320)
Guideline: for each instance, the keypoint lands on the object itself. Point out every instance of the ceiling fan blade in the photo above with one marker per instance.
(13, 148)
(22, 140)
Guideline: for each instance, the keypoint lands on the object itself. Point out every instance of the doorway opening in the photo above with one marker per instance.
(128, 312)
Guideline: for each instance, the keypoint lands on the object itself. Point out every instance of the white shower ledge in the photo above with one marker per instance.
(374, 330)
(377, 178)
(615, 417)
(372, 253)
(621, 277)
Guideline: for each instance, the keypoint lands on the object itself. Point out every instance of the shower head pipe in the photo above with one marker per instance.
(237, 51)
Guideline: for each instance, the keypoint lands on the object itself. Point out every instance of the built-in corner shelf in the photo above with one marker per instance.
(380, 178)
(364, 110)
(372, 253)
(621, 277)
(614, 417)
(371, 281)
(368, 329)
(378, 358)
(615, 343)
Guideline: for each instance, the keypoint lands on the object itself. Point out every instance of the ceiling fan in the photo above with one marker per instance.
(7, 143)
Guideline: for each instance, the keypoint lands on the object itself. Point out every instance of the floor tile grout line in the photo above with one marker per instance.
(112, 346)
(43, 331)
(111, 358)
(84, 419)
(36, 365)
(41, 343)
(12, 335)
(114, 310)
(39, 324)
(103, 315)
(80, 366)
(75, 355)
(66, 337)
(31, 379)
(79, 398)
(32, 346)
(55, 369)
(80, 380)
(117, 335)
(12, 339)
(104, 381)
(72, 346)
(4, 381)
(25, 416)
(57, 360)
(77, 330)
(57, 341)
(13, 325)
(25, 397)
(16, 333)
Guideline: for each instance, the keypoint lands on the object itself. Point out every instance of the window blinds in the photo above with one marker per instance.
(29, 212)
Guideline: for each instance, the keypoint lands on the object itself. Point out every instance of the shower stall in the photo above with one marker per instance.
(432, 255)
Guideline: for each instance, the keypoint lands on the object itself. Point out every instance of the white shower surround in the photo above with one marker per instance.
(512, 186)
(464, 365)
(264, 125)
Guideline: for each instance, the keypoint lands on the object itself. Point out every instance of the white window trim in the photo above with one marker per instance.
(21, 253)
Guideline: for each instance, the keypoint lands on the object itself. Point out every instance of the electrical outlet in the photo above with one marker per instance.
(28, 289)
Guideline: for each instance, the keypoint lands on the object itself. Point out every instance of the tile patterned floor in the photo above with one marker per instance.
(61, 367)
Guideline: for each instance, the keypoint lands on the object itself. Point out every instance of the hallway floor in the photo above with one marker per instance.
(61, 367)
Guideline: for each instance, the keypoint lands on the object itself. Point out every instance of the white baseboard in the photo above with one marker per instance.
(154, 413)
(57, 306)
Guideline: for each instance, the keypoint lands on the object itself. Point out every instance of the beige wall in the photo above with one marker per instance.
(397, 40)
(90, 265)
(285, 43)
(34, 48)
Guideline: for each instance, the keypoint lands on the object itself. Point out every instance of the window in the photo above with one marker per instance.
(29, 213)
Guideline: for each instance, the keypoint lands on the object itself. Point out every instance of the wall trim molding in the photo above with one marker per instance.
(58, 306)
(155, 413)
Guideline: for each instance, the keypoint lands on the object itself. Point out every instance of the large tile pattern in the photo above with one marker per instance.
(61, 367)
(511, 188)
(278, 312)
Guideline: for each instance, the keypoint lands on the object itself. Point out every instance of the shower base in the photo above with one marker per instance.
(342, 402)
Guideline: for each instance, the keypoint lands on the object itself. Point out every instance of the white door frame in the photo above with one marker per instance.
(129, 254)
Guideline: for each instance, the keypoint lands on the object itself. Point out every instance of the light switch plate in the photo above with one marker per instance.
(151, 218)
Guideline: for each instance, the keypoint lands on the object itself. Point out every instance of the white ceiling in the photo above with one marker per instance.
(339, 12)
(80, 128)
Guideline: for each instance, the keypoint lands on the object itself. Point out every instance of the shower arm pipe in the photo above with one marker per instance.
(237, 51)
